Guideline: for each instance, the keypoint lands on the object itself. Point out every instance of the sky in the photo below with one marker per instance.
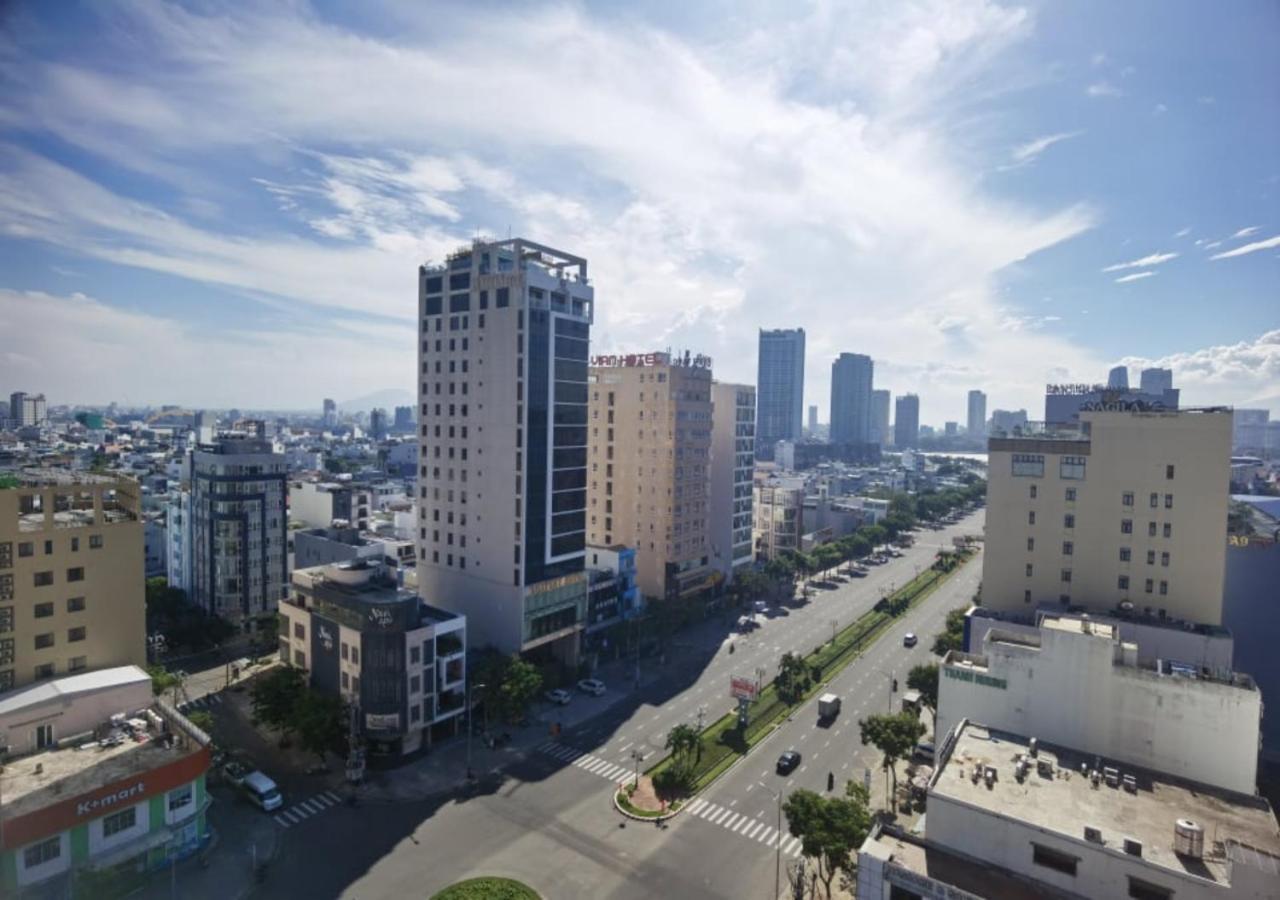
(225, 204)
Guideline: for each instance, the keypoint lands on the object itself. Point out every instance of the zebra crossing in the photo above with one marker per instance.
(585, 761)
(723, 816)
(204, 702)
(744, 826)
(306, 808)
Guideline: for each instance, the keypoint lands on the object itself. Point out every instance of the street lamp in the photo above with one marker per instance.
(777, 861)
(639, 758)
(471, 776)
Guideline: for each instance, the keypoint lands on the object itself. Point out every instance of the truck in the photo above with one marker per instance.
(828, 707)
(911, 702)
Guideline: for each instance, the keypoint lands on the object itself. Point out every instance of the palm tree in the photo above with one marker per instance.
(685, 744)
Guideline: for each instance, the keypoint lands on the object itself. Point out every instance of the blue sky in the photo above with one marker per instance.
(225, 204)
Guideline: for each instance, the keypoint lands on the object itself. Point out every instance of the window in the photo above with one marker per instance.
(43, 610)
(75, 544)
(415, 655)
(1068, 548)
(346, 681)
(299, 631)
(1053, 859)
(345, 650)
(48, 548)
(1127, 498)
(355, 655)
(1033, 492)
(26, 548)
(1168, 472)
(1028, 464)
(415, 712)
(77, 663)
(1145, 890)
(43, 579)
(44, 641)
(75, 574)
(1071, 495)
(118, 822)
(1151, 557)
(1150, 586)
(1124, 554)
(415, 684)
(1066, 575)
(1072, 467)
(44, 671)
(299, 659)
(181, 797)
(75, 634)
(1028, 570)
(1155, 500)
(1026, 596)
(1031, 543)
(1168, 501)
(1164, 588)
(43, 852)
(1164, 559)
(1151, 529)
(1123, 583)
(1069, 521)
(1031, 517)
(1168, 530)
(1126, 526)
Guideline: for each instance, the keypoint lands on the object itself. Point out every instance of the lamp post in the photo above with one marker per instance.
(777, 859)
(639, 758)
(471, 776)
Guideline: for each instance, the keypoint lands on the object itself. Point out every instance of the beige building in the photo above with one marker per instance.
(1125, 514)
(648, 480)
(733, 456)
(779, 516)
(72, 595)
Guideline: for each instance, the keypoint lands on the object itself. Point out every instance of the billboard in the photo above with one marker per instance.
(743, 688)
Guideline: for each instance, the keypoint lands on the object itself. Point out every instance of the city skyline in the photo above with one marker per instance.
(1047, 234)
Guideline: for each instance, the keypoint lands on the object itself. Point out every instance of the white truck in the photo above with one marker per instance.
(828, 707)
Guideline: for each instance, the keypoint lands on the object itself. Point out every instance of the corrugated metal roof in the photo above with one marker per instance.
(71, 686)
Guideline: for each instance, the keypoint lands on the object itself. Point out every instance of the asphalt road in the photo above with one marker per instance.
(547, 819)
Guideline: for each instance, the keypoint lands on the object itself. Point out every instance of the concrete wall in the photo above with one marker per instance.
(73, 714)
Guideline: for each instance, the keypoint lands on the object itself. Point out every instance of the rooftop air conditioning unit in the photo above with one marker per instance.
(1132, 847)
(1093, 835)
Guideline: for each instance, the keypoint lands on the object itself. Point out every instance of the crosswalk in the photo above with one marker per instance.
(723, 816)
(307, 808)
(585, 761)
(204, 702)
(744, 826)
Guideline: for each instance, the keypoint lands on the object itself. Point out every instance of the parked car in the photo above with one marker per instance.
(592, 686)
(788, 761)
(235, 772)
(923, 751)
(909, 639)
(558, 696)
(262, 791)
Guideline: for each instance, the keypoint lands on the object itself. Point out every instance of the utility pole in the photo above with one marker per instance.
(777, 859)
(833, 630)
(639, 758)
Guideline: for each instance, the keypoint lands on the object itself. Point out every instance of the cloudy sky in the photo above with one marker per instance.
(225, 204)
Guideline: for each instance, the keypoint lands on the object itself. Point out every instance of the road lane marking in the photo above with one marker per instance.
(334, 797)
(697, 805)
(625, 747)
(724, 814)
(765, 836)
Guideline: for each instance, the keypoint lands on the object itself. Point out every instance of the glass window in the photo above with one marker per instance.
(1124, 554)
(1168, 472)
(1031, 517)
(75, 634)
(1069, 521)
(43, 610)
(1168, 501)
(26, 548)
(1066, 575)
(43, 852)
(1164, 587)
(1168, 530)
(118, 822)
(1033, 491)
(1123, 582)
(180, 797)
(1164, 559)
(1072, 467)
(75, 574)
(43, 579)
(1028, 570)
(95, 542)
(1071, 495)
(299, 630)
(77, 663)
(1068, 548)
(1127, 498)
(1149, 586)
(1126, 526)
(1053, 859)
(44, 641)
(1028, 464)
(1151, 529)
(1155, 500)
(346, 681)
(1031, 543)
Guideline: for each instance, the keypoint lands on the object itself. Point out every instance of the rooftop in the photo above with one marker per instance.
(922, 857)
(1066, 802)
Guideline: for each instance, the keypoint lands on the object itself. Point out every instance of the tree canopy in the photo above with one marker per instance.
(830, 829)
(924, 678)
(894, 736)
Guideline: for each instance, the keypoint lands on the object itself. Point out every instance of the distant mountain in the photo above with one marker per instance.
(388, 399)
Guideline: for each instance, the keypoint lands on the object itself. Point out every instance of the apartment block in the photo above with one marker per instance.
(72, 595)
(650, 467)
(852, 375)
(502, 476)
(733, 448)
(906, 422)
(239, 554)
(317, 504)
(1123, 514)
(779, 388)
(778, 508)
(976, 423)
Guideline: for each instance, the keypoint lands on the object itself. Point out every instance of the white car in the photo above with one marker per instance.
(592, 686)
(558, 696)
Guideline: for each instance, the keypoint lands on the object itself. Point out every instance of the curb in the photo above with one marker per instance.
(663, 818)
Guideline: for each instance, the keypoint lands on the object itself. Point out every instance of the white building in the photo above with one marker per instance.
(733, 448)
(177, 531)
(317, 504)
(778, 509)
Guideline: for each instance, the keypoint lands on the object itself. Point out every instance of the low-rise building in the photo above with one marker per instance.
(398, 661)
(318, 504)
(612, 592)
(779, 516)
(99, 780)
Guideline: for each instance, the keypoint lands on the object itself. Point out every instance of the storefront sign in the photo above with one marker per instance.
(389, 722)
(969, 675)
(84, 807)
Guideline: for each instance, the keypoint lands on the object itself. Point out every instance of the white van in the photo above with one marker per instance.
(262, 791)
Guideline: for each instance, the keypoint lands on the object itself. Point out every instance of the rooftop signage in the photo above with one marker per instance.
(1072, 390)
(977, 677)
(1117, 405)
(657, 358)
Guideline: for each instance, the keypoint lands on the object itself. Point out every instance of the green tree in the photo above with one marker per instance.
(894, 736)
(521, 683)
(202, 719)
(162, 680)
(830, 829)
(792, 679)
(320, 721)
(685, 744)
(925, 680)
(952, 637)
(275, 695)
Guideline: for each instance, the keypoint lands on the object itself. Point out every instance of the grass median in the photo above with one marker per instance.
(724, 743)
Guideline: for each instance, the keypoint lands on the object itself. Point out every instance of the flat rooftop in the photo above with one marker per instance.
(66, 773)
(1067, 802)
(924, 858)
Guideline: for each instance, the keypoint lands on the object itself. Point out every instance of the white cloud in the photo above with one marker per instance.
(1159, 109)
(1245, 374)
(1136, 276)
(1268, 244)
(1245, 232)
(1103, 89)
(1152, 260)
(1183, 232)
(1028, 152)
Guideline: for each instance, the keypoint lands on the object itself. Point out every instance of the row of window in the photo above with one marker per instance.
(1067, 864)
(48, 670)
(74, 635)
(28, 548)
(46, 609)
(1031, 465)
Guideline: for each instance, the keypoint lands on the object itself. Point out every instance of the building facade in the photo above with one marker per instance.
(851, 388)
(778, 507)
(1063, 403)
(976, 425)
(72, 594)
(1124, 514)
(502, 479)
(1155, 381)
(650, 481)
(1007, 421)
(239, 488)
(1249, 431)
(881, 433)
(27, 410)
(400, 663)
(906, 422)
(177, 533)
(613, 595)
(318, 504)
(733, 448)
(779, 387)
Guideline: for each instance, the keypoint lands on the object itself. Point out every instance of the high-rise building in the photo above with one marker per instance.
(1118, 378)
(977, 421)
(1125, 514)
(851, 378)
(1063, 403)
(779, 388)
(378, 423)
(403, 419)
(813, 418)
(880, 432)
(26, 410)
(950, 429)
(1004, 421)
(72, 596)
(1249, 430)
(733, 447)
(1156, 381)
(906, 422)
(239, 556)
(502, 483)
(329, 417)
(649, 486)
